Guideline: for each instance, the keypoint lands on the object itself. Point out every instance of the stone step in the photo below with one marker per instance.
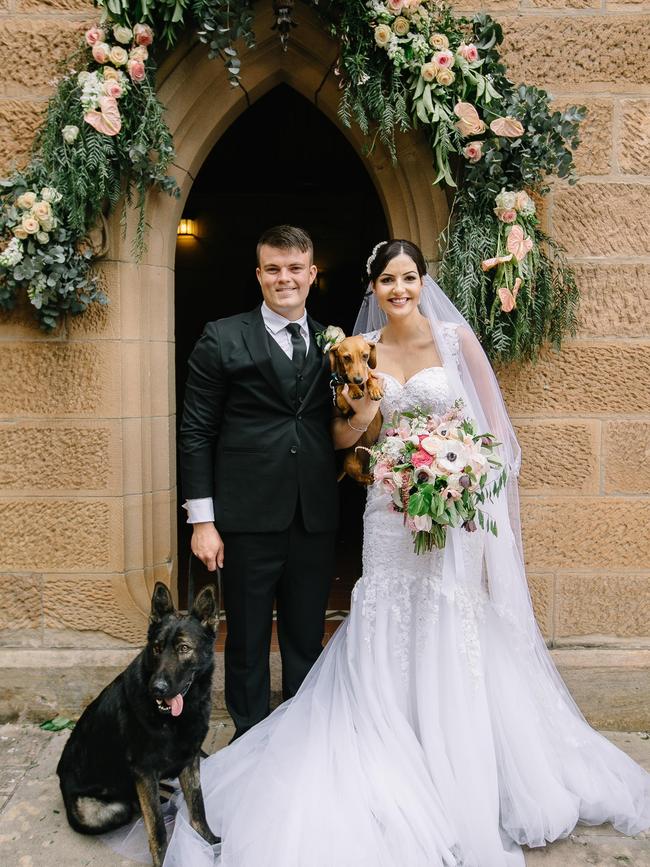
(611, 684)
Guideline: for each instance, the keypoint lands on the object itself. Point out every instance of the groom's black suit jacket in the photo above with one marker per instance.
(252, 440)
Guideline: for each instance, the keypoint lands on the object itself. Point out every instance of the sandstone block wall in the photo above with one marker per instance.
(87, 473)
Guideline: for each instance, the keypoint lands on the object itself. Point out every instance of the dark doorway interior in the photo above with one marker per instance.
(282, 161)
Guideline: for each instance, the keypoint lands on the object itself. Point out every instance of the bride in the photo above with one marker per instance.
(434, 728)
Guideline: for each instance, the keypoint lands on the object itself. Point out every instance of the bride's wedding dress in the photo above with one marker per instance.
(419, 737)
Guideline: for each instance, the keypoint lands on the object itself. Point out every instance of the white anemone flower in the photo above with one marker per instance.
(452, 456)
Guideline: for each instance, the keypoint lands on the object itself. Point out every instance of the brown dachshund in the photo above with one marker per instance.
(352, 362)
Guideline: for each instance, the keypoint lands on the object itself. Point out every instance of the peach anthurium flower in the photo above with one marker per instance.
(509, 299)
(517, 244)
(507, 127)
(107, 120)
(488, 264)
(469, 122)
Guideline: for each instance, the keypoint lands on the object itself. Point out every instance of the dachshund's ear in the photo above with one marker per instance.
(372, 358)
(334, 357)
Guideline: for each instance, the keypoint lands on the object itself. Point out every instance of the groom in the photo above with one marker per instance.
(259, 475)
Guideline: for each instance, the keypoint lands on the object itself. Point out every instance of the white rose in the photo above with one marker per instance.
(401, 26)
(122, 34)
(70, 133)
(445, 77)
(506, 200)
(42, 211)
(49, 194)
(30, 225)
(118, 55)
(428, 71)
(439, 41)
(26, 201)
(42, 237)
(383, 35)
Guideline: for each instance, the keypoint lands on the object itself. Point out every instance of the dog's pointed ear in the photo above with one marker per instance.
(205, 608)
(334, 359)
(161, 603)
(372, 358)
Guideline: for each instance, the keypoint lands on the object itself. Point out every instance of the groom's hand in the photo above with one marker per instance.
(208, 545)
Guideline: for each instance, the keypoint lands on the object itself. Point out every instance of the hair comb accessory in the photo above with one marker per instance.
(373, 255)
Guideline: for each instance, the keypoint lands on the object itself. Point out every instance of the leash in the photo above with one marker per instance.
(190, 588)
(335, 380)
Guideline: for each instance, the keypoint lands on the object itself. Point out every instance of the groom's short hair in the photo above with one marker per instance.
(286, 238)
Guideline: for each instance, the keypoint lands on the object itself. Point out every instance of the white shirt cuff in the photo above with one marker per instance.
(199, 510)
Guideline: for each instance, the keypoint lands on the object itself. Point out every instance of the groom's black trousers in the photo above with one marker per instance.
(294, 568)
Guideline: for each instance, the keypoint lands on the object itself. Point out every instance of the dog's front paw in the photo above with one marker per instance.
(355, 392)
(375, 391)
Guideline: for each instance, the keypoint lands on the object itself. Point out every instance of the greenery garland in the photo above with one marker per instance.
(413, 64)
(104, 140)
(404, 64)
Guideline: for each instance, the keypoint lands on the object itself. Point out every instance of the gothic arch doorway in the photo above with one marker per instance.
(201, 107)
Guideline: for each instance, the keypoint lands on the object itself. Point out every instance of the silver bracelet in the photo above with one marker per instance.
(357, 429)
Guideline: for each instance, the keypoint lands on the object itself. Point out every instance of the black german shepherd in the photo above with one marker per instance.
(148, 724)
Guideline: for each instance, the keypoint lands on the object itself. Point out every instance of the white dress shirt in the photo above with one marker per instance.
(202, 509)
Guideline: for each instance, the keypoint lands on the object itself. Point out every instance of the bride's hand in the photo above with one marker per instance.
(364, 408)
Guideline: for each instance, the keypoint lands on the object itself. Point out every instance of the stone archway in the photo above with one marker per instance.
(201, 106)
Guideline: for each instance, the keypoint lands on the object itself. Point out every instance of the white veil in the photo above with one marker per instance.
(471, 378)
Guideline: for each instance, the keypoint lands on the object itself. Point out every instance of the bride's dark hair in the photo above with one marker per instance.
(396, 247)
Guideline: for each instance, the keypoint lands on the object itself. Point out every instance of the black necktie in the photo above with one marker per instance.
(299, 345)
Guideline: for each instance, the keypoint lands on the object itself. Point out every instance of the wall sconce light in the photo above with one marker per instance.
(186, 228)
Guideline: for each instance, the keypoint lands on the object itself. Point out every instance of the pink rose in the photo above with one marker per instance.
(136, 70)
(469, 52)
(95, 35)
(113, 88)
(143, 34)
(473, 151)
(395, 5)
(139, 53)
(420, 458)
(443, 59)
(101, 51)
(506, 215)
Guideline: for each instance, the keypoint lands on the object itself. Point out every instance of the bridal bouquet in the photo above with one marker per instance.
(436, 470)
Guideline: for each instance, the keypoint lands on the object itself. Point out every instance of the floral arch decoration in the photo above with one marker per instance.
(403, 65)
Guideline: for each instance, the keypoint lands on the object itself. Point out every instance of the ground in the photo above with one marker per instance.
(34, 831)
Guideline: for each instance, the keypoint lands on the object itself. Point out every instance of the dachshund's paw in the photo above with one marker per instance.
(355, 392)
(375, 391)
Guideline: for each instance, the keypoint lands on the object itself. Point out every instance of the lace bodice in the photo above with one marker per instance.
(428, 388)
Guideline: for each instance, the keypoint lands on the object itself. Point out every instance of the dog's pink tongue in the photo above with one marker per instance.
(176, 704)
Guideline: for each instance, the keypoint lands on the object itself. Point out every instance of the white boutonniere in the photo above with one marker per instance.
(329, 338)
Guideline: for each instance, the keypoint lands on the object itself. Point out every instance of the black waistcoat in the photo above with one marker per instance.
(295, 382)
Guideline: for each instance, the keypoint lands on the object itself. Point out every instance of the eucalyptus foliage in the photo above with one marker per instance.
(222, 23)
(55, 273)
